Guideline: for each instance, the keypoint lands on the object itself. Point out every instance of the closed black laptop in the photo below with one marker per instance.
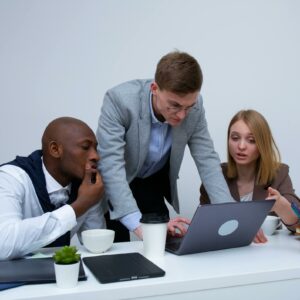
(221, 226)
(31, 270)
(122, 267)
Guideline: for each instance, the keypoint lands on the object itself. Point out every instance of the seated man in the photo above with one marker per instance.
(53, 193)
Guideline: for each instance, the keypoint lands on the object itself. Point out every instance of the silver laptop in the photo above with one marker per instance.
(221, 226)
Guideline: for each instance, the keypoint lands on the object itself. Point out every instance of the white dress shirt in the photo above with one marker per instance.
(24, 227)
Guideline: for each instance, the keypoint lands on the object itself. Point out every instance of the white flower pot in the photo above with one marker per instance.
(66, 275)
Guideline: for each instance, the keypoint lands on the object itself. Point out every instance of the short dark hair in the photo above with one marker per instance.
(179, 72)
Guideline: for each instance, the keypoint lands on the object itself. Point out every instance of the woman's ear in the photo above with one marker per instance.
(55, 149)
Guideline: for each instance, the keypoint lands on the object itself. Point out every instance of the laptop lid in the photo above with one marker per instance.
(30, 270)
(122, 267)
(221, 226)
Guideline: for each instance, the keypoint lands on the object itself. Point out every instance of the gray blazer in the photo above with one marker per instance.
(124, 133)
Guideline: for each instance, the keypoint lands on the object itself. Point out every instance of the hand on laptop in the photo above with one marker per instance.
(260, 237)
(282, 208)
(177, 227)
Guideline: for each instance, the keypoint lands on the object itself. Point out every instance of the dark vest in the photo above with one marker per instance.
(32, 165)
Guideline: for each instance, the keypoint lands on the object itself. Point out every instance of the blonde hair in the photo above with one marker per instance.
(269, 159)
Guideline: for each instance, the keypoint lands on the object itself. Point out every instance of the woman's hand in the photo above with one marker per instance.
(282, 208)
(260, 237)
(279, 200)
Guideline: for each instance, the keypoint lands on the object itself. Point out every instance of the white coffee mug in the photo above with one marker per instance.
(270, 225)
(154, 227)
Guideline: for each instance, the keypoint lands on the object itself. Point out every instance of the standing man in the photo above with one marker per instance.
(53, 193)
(144, 128)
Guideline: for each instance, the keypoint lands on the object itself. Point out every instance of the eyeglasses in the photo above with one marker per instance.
(178, 108)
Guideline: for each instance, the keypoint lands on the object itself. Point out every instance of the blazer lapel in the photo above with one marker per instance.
(144, 127)
(234, 189)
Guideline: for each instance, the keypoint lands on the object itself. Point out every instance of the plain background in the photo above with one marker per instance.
(58, 57)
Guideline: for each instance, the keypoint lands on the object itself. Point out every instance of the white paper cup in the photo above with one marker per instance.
(154, 229)
(270, 225)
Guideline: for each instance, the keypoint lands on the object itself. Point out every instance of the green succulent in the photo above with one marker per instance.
(66, 255)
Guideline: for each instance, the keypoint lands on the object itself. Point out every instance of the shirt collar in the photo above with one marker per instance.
(51, 184)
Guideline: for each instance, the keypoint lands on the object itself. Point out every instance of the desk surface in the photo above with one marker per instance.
(274, 266)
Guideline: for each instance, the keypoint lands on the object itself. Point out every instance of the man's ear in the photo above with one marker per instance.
(55, 149)
(154, 87)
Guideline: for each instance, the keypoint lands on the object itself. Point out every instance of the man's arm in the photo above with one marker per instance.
(24, 227)
(93, 216)
(112, 126)
(207, 160)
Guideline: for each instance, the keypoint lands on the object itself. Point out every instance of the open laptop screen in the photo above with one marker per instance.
(222, 226)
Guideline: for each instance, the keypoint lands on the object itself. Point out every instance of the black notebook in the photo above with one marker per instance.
(122, 267)
(31, 270)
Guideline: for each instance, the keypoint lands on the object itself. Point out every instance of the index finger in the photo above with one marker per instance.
(183, 220)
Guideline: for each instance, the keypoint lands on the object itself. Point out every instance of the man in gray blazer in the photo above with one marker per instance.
(144, 128)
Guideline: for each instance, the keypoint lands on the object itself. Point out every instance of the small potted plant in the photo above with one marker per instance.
(66, 265)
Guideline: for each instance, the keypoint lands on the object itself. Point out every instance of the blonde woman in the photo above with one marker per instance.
(254, 170)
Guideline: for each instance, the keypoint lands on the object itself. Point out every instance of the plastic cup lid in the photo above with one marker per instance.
(154, 218)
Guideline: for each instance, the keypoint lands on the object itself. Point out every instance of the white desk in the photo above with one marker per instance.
(265, 271)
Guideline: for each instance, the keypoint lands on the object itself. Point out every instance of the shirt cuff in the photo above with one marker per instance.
(132, 220)
(66, 217)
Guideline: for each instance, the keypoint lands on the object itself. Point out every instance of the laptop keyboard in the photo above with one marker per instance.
(173, 243)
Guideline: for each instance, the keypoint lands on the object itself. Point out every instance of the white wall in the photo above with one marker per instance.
(58, 57)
